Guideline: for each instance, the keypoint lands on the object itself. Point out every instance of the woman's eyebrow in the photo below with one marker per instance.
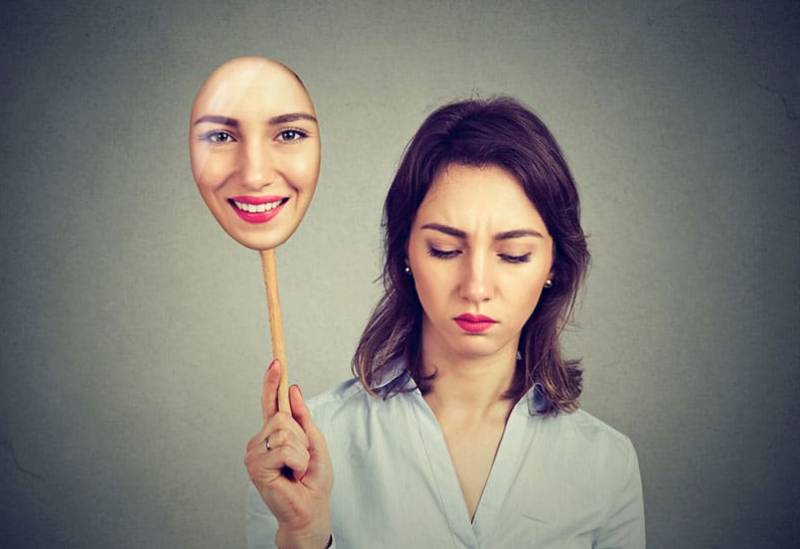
(275, 120)
(452, 231)
(517, 234)
(505, 235)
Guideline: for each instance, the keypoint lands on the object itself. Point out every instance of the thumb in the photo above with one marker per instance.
(317, 448)
(302, 415)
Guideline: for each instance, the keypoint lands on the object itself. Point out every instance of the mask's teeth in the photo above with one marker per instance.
(257, 208)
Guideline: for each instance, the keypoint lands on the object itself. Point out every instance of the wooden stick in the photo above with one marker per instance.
(276, 324)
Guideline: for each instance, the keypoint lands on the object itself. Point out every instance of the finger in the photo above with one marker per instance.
(258, 439)
(284, 437)
(269, 390)
(280, 429)
(282, 421)
(277, 440)
(259, 459)
(302, 415)
(319, 470)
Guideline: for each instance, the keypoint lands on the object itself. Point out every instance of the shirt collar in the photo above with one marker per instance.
(538, 401)
(396, 376)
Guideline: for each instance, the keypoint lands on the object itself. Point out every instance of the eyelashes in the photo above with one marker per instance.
(292, 134)
(524, 258)
(223, 137)
(217, 137)
(442, 254)
(450, 254)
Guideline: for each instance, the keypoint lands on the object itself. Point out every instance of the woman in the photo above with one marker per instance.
(463, 427)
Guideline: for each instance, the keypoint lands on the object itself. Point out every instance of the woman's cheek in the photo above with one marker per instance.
(431, 289)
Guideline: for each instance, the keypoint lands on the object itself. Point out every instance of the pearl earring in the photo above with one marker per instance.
(548, 283)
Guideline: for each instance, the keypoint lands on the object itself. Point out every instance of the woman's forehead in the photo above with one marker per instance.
(471, 198)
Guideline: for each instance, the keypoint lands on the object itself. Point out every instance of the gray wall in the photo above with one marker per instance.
(134, 332)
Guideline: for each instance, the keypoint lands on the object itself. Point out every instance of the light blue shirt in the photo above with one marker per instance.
(564, 482)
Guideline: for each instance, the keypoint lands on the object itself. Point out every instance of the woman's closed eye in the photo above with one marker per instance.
(449, 254)
(442, 254)
(508, 258)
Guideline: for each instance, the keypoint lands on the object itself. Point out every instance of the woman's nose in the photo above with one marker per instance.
(477, 285)
(255, 166)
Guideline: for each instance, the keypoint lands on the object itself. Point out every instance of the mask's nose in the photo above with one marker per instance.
(255, 165)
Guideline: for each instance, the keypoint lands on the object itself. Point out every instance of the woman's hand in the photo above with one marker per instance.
(288, 463)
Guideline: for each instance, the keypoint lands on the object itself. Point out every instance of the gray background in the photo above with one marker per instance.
(134, 331)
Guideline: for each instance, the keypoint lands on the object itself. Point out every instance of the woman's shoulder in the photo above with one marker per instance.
(347, 396)
(582, 434)
(592, 428)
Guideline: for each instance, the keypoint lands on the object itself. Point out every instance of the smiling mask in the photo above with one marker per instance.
(255, 151)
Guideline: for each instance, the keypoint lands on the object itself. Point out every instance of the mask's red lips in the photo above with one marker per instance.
(257, 209)
(249, 199)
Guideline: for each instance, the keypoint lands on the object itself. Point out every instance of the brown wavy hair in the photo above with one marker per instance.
(479, 132)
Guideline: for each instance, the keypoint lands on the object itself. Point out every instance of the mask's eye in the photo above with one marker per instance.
(442, 254)
(292, 134)
(515, 258)
(218, 137)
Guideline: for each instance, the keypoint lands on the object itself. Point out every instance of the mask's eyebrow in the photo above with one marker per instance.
(216, 119)
(458, 233)
(274, 121)
(290, 117)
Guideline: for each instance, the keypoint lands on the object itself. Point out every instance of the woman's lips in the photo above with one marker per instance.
(474, 323)
(257, 209)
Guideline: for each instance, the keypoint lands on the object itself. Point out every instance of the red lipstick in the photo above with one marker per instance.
(474, 323)
(257, 209)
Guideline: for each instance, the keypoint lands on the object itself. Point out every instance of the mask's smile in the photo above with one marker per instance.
(257, 209)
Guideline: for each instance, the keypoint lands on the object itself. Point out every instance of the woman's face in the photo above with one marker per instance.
(255, 148)
(480, 254)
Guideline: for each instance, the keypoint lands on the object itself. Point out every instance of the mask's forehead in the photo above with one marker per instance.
(253, 137)
(252, 87)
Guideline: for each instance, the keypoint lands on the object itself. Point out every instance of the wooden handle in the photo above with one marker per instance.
(276, 324)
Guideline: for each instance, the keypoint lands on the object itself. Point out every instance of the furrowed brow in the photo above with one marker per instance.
(452, 231)
(518, 233)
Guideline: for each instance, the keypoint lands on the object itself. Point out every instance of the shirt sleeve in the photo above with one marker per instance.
(624, 524)
(261, 524)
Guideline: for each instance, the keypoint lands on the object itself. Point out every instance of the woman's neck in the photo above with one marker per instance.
(468, 388)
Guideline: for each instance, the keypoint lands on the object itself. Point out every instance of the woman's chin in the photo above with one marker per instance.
(470, 350)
